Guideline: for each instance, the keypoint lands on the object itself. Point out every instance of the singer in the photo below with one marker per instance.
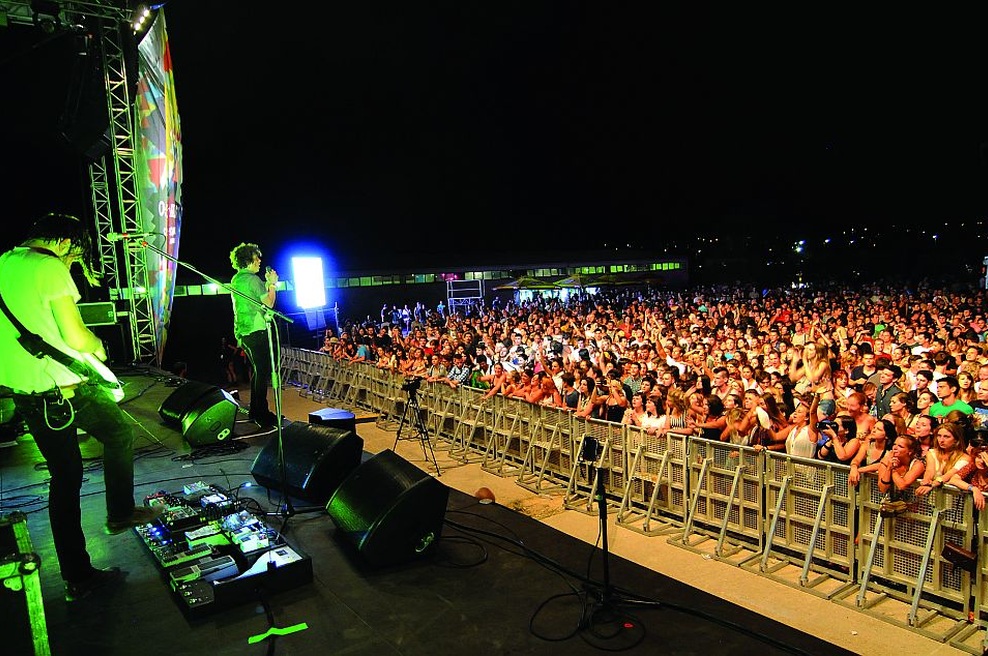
(249, 325)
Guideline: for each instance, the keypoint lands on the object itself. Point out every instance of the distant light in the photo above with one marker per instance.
(310, 285)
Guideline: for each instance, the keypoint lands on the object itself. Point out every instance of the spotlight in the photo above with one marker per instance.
(44, 15)
(140, 20)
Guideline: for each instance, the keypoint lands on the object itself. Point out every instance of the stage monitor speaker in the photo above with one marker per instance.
(389, 509)
(205, 413)
(317, 460)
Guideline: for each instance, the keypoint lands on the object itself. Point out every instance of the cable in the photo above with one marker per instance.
(584, 595)
(212, 450)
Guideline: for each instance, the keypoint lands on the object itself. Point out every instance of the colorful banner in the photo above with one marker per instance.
(159, 169)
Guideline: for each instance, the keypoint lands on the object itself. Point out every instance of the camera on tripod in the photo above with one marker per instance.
(591, 449)
(411, 384)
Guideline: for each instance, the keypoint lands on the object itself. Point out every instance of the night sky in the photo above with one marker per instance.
(393, 133)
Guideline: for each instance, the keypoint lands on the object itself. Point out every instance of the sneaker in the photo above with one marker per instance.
(142, 515)
(74, 591)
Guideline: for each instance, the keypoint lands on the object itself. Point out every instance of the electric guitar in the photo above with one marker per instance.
(91, 367)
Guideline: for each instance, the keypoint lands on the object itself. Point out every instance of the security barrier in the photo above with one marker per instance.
(725, 498)
(549, 451)
(795, 520)
(654, 498)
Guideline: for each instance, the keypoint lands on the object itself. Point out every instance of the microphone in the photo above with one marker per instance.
(126, 236)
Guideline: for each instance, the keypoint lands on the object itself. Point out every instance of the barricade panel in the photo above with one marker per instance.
(726, 501)
(473, 427)
(547, 450)
(647, 505)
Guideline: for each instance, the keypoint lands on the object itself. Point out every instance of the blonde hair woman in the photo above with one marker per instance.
(674, 419)
(811, 373)
(946, 458)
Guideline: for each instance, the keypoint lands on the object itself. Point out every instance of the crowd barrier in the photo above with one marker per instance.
(798, 521)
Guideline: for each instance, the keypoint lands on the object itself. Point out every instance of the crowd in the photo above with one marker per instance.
(893, 383)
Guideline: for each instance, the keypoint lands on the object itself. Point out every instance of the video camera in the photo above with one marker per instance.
(411, 384)
(827, 424)
(591, 450)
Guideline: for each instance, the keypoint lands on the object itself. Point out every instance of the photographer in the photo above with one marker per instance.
(838, 440)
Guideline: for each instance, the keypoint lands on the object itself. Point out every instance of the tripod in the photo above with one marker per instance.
(604, 624)
(421, 430)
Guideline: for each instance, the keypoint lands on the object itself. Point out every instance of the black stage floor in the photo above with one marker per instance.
(496, 582)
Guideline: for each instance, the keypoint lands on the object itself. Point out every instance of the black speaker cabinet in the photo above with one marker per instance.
(205, 413)
(389, 509)
(317, 459)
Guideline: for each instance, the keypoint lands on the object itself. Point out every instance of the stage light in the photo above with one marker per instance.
(310, 285)
(143, 16)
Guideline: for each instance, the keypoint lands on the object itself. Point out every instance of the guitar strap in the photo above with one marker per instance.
(38, 347)
(35, 344)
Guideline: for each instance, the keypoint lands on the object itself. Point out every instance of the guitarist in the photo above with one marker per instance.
(38, 290)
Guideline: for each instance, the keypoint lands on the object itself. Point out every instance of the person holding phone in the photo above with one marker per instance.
(250, 325)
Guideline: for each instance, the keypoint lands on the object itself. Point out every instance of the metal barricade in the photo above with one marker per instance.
(967, 637)
(289, 371)
(548, 459)
(323, 377)
(473, 426)
(654, 498)
(376, 388)
(512, 419)
(394, 400)
(335, 381)
(355, 395)
(812, 525)
(726, 501)
(445, 402)
(902, 565)
(307, 371)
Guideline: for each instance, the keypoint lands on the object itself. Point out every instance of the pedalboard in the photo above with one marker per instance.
(214, 552)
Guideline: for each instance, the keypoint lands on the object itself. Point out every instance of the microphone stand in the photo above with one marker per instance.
(270, 314)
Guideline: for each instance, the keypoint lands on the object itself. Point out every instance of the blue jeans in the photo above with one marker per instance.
(53, 425)
(256, 345)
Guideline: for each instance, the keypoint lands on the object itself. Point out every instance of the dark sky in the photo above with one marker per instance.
(384, 130)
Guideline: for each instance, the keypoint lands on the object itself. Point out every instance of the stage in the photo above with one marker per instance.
(495, 582)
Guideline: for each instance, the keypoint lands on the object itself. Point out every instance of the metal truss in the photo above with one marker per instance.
(121, 171)
(20, 12)
(113, 177)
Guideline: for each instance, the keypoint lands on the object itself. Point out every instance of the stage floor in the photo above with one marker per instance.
(497, 582)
